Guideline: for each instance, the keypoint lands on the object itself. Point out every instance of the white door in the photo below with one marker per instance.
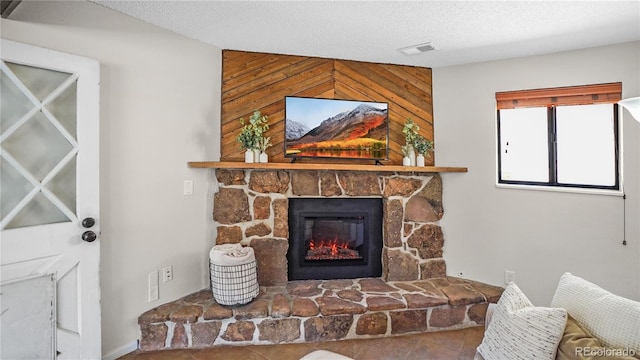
(49, 162)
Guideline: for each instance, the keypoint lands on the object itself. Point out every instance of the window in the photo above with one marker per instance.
(561, 137)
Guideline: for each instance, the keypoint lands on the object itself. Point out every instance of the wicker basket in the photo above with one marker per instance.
(234, 284)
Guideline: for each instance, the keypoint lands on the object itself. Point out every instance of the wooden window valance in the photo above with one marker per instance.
(569, 95)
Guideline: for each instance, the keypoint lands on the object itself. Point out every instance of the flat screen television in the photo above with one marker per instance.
(332, 128)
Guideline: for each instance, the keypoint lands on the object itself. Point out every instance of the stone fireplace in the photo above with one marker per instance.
(412, 294)
(252, 207)
(334, 238)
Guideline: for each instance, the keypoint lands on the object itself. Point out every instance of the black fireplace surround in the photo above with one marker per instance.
(335, 238)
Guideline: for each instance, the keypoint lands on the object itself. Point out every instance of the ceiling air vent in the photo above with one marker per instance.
(417, 49)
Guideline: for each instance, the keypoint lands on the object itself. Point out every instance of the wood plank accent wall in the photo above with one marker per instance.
(260, 81)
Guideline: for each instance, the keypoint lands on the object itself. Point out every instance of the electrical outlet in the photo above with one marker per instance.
(167, 273)
(509, 276)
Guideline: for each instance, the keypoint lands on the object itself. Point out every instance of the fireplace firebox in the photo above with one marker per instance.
(335, 238)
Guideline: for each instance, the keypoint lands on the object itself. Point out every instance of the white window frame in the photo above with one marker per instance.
(616, 190)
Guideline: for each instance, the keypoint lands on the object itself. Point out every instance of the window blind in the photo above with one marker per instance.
(569, 95)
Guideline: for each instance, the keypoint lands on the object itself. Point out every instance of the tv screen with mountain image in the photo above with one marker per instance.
(331, 128)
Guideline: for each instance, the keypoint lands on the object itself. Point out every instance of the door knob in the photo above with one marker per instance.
(88, 222)
(89, 236)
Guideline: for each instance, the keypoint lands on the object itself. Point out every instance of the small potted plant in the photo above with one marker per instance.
(410, 132)
(263, 145)
(251, 135)
(406, 161)
(422, 146)
(246, 139)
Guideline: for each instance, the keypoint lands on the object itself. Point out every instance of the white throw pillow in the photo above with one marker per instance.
(324, 355)
(611, 318)
(518, 330)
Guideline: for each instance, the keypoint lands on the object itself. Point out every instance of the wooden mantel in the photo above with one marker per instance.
(312, 166)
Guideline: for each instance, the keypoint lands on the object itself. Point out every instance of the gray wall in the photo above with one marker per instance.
(538, 234)
(159, 108)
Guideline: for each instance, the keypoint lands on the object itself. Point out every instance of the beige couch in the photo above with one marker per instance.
(584, 322)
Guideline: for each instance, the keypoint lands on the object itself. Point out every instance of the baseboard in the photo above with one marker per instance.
(121, 351)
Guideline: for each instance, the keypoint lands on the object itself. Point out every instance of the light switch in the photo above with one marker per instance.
(188, 187)
(153, 278)
(153, 286)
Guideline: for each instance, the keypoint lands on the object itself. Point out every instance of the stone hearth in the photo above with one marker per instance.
(319, 310)
(251, 208)
(413, 295)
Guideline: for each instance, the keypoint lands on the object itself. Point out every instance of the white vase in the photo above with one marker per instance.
(256, 155)
(406, 161)
(420, 160)
(411, 153)
(248, 156)
(264, 158)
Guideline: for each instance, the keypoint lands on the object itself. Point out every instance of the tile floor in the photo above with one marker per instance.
(454, 344)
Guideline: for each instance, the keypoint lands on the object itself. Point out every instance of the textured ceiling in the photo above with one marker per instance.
(462, 31)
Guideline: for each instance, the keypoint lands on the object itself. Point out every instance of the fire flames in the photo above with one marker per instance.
(334, 249)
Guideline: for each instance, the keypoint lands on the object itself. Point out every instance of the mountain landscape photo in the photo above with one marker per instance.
(360, 132)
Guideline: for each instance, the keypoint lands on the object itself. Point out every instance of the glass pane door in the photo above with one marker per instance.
(38, 146)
